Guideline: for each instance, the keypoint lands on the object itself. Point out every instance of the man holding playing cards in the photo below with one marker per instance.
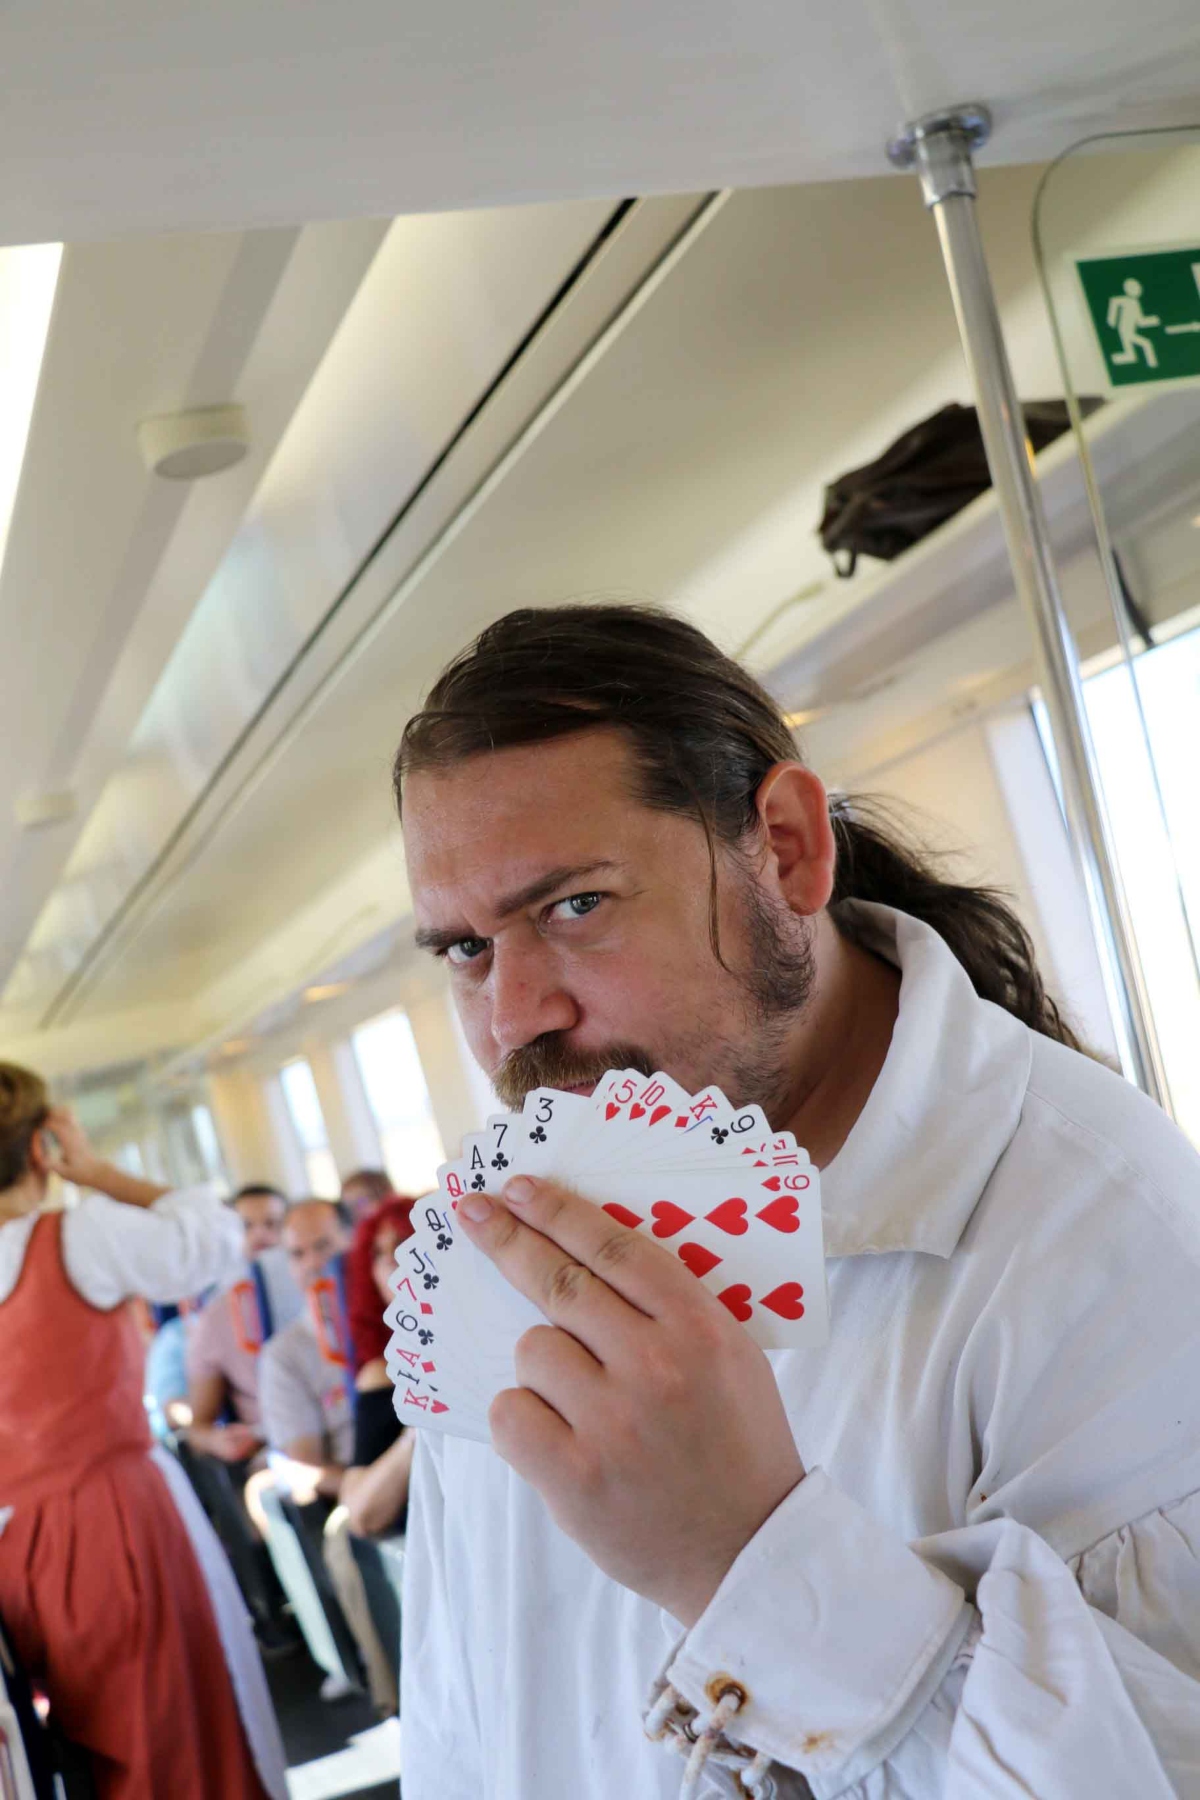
(953, 1549)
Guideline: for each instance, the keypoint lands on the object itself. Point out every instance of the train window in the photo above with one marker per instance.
(308, 1122)
(1156, 833)
(207, 1142)
(1110, 219)
(129, 1157)
(390, 1065)
(1163, 889)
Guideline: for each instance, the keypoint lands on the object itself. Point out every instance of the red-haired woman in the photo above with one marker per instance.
(375, 1489)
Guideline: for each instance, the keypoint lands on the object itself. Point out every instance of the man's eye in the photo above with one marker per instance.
(578, 905)
(466, 950)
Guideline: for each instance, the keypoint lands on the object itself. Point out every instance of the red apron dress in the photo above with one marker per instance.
(100, 1588)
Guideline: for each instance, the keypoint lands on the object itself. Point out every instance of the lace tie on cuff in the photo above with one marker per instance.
(671, 1720)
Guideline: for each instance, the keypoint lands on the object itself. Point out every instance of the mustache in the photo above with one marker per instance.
(549, 1061)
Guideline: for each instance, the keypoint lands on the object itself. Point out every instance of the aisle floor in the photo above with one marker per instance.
(336, 1750)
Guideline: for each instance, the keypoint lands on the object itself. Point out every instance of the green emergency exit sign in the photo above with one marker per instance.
(1145, 311)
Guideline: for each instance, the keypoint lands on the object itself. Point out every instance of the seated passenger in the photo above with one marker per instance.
(165, 1384)
(224, 1344)
(306, 1388)
(375, 1486)
(363, 1190)
(306, 1406)
(132, 1652)
(223, 1350)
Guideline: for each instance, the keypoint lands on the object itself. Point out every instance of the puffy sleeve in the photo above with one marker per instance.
(976, 1663)
(163, 1253)
(1048, 1644)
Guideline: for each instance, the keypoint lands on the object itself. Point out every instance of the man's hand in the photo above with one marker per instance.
(647, 1418)
(233, 1443)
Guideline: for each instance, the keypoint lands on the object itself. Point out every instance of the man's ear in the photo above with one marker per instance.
(793, 810)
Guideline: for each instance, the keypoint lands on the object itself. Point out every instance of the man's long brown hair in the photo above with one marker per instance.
(704, 734)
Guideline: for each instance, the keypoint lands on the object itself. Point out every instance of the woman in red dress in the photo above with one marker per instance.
(118, 1604)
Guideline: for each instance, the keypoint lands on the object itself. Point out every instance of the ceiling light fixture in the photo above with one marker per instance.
(32, 811)
(795, 721)
(186, 446)
(329, 991)
(28, 281)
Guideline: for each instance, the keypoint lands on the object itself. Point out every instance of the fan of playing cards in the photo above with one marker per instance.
(737, 1203)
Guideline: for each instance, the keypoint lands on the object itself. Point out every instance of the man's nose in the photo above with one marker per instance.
(528, 996)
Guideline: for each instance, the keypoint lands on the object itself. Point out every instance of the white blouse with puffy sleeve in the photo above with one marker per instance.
(165, 1253)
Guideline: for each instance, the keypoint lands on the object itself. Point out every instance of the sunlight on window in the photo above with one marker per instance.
(308, 1121)
(1162, 903)
(208, 1143)
(129, 1157)
(399, 1099)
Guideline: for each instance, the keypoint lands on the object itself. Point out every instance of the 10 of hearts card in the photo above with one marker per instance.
(738, 1204)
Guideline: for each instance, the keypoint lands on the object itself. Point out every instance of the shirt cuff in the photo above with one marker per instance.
(834, 1630)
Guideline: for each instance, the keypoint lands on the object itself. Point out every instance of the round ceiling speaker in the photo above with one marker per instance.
(188, 445)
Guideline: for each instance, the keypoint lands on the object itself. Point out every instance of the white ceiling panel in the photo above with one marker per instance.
(152, 115)
(105, 562)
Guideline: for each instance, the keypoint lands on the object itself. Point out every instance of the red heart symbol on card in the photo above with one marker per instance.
(611, 1110)
(786, 1300)
(783, 1214)
(774, 1184)
(660, 1112)
(438, 1406)
(730, 1216)
(636, 1111)
(698, 1259)
(737, 1299)
(669, 1218)
(622, 1214)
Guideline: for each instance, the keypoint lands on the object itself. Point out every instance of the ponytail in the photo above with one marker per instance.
(875, 861)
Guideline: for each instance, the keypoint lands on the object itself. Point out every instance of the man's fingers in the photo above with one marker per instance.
(554, 1365)
(642, 1272)
(568, 1293)
(529, 1435)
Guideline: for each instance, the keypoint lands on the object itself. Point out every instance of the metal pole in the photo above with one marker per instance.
(939, 147)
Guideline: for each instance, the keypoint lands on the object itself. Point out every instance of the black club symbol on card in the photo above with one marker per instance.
(444, 1241)
(425, 1335)
(719, 1135)
(537, 1135)
(431, 1281)
(478, 1182)
(499, 1161)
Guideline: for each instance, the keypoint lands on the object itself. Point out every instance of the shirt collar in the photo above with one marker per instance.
(943, 1109)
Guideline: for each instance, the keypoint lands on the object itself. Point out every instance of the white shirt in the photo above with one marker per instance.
(989, 1582)
(164, 1253)
(302, 1395)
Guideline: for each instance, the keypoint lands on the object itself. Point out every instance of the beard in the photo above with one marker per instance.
(750, 1063)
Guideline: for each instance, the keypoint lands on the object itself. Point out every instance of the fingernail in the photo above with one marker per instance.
(519, 1190)
(477, 1208)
